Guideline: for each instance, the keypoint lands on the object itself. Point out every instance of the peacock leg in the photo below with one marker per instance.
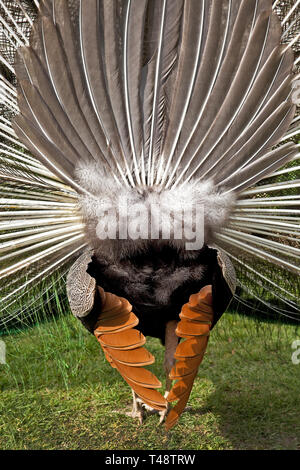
(137, 408)
(171, 343)
(194, 326)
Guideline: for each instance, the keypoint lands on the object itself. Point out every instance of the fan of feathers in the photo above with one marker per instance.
(169, 103)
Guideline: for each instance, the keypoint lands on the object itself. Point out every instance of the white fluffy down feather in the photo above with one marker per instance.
(136, 215)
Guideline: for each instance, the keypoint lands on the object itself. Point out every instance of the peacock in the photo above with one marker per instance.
(149, 158)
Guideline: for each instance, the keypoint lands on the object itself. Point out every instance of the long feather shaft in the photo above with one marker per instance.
(188, 96)
(44, 272)
(259, 274)
(273, 187)
(34, 258)
(17, 28)
(234, 116)
(262, 254)
(37, 245)
(203, 106)
(20, 224)
(156, 91)
(262, 242)
(10, 30)
(35, 231)
(290, 12)
(30, 240)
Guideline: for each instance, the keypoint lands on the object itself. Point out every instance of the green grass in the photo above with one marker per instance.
(58, 392)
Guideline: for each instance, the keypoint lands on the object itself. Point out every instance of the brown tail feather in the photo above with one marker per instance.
(125, 340)
(196, 319)
(132, 357)
(122, 346)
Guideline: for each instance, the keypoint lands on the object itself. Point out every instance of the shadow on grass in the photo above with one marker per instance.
(251, 422)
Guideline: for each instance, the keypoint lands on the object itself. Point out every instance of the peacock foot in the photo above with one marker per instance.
(163, 413)
(137, 411)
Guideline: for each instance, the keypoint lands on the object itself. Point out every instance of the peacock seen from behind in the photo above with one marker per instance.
(154, 141)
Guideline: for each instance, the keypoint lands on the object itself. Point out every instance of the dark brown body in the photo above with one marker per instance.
(158, 282)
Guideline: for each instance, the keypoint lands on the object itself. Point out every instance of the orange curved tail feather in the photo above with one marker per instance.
(195, 324)
(123, 348)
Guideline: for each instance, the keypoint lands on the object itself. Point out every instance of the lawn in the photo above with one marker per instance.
(58, 392)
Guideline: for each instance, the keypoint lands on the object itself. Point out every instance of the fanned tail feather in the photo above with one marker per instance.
(194, 326)
(122, 345)
(152, 111)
